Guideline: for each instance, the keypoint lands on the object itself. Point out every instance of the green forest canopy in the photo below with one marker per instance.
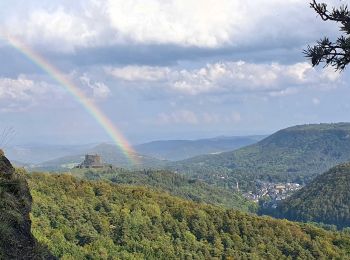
(295, 154)
(326, 199)
(80, 219)
(175, 184)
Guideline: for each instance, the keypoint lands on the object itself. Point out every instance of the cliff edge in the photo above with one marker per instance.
(16, 239)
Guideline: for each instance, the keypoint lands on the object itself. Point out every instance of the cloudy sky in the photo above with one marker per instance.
(165, 69)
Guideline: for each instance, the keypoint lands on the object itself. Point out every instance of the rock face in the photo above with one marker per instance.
(16, 240)
(5, 165)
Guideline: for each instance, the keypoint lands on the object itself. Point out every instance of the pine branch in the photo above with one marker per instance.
(335, 54)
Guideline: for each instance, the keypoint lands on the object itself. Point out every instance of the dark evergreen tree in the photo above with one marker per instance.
(337, 53)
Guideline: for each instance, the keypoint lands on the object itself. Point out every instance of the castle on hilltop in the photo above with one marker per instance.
(93, 161)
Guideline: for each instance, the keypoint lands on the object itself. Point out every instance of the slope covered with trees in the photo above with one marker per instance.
(80, 219)
(326, 199)
(175, 184)
(295, 154)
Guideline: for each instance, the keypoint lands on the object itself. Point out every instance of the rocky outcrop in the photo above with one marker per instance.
(16, 239)
(6, 168)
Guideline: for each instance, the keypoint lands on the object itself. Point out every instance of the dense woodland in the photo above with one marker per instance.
(120, 214)
(175, 184)
(325, 200)
(80, 219)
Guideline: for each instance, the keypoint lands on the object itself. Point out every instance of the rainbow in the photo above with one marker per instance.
(78, 94)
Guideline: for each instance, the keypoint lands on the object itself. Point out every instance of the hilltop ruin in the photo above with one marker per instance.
(93, 161)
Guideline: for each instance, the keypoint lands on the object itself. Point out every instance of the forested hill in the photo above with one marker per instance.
(326, 199)
(175, 184)
(16, 240)
(294, 154)
(81, 219)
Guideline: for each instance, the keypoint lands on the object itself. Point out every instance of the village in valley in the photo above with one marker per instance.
(271, 193)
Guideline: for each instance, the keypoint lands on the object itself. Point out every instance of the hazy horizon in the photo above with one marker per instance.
(193, 137)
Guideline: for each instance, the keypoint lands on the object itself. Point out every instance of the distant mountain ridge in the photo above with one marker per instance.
(294, 154)
(147, 155)
(326, 199)
(110, 154)
(174, 150)
(38, 153)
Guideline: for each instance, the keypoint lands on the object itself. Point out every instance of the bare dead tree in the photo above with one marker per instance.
(6, 136)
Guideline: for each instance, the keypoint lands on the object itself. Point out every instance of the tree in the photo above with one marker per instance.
(335, 54)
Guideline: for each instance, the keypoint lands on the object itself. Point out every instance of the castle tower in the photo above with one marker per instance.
(92, 161)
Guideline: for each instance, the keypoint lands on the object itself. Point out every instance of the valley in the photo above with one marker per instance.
(291, 157)
(133, 212)
(272, 192)
(148, 155)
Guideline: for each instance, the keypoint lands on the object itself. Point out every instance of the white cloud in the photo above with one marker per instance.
(233, 77)
(206, 23)
(329, 74)
(211, 23)
(139, 73)
(20, 88)
(99, 89)
(58, 29)
(24, 92)
(21, 93)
